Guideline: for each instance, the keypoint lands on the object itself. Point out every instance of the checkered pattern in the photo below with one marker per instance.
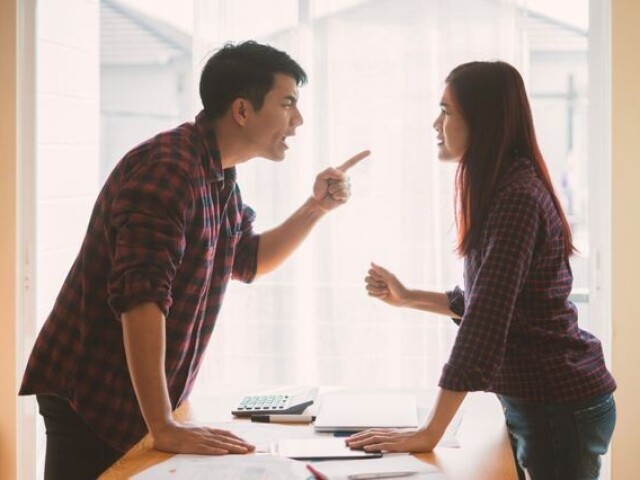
(519, 333)
(168, 227)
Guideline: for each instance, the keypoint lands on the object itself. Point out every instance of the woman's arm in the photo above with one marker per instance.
(385, 286)
(413, 441)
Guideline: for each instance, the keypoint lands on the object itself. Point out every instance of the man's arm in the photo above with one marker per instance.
(277, 244)
(144, 342)
(330, 190)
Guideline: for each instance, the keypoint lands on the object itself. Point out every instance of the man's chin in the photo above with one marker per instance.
(276, 156)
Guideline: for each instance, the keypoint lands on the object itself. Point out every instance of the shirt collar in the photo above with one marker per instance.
(212, 160)
(517, 167)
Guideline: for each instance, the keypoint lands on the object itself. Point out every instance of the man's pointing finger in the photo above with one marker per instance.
(353, 160)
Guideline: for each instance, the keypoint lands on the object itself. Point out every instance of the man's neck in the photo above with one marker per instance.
(233, 147)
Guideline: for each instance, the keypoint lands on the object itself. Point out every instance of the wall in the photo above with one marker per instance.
(137, 102)
(8, 227)
(625, 15)
(67, 173)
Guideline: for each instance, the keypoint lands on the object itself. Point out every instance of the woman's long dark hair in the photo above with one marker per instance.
(493, 101)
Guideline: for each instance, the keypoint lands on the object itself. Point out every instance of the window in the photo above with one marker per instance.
(119, 71)
(376, 73)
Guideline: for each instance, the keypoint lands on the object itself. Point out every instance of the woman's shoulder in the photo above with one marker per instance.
(521, 184)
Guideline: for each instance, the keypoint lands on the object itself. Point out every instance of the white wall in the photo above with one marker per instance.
(68, 118)
(66, 171)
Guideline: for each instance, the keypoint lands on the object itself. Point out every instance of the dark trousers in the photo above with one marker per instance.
(560, 442)
(73, 452)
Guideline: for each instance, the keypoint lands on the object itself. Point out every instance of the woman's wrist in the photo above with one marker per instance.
(411, 299)
(428, 436)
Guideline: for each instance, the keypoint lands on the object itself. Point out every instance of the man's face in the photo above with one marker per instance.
(267, 129)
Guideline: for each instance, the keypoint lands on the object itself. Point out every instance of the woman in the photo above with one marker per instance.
(518, 334)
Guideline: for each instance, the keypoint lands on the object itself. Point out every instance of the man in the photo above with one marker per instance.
(124, 342)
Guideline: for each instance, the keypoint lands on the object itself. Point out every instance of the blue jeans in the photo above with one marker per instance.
(563, 442)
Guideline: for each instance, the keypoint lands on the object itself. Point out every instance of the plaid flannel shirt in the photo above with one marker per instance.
(169, 227)
(519, 332)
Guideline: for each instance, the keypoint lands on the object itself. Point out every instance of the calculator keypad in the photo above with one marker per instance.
(289, 402)
(263, 402)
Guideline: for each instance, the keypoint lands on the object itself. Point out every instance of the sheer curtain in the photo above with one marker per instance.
(376, 72)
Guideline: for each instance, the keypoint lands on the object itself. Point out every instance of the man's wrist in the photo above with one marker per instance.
(158, 426)
(315, 207)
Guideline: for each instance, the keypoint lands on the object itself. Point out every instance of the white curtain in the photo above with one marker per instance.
(376, 72)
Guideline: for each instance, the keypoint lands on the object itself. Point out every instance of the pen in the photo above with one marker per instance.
(367, 476)
(316, 474)
(283, 418)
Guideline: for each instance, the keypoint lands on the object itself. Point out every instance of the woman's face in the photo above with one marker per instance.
(452, 129)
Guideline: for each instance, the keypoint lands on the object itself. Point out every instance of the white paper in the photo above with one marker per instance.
(389, 463)
(226, 467)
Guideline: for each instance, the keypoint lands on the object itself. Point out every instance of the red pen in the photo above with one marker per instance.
(316, 474)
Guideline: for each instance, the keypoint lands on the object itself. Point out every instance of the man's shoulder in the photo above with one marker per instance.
(181, 140)
(180, 147)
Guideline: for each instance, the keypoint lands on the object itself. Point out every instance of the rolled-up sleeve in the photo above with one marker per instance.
(506, 251)
(245, 261)
(456, 303)
(148, 219)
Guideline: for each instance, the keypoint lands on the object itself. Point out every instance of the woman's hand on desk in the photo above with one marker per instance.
(185, 438)
(393, 440)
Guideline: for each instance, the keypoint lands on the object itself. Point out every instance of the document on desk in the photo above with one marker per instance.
(226, 467)
(389, 466)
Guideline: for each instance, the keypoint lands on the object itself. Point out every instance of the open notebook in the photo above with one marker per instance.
(352, 412)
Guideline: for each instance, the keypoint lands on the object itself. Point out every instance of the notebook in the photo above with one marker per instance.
(352, 412)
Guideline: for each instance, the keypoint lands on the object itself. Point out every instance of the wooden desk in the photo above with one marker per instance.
(485, 453)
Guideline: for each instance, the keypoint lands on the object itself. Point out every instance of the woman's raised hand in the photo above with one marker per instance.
(382, 284)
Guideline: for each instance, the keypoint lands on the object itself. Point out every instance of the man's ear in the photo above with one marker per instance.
(240, 109)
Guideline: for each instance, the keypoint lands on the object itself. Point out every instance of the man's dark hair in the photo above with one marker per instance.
(244, 70)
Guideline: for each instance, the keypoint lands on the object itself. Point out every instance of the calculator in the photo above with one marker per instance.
(291, 401)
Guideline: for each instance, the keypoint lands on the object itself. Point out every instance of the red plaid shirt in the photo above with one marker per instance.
(519, 332)
(168, 227)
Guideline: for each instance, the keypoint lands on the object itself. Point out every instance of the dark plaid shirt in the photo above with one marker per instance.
(168, 227)
(519, 333)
